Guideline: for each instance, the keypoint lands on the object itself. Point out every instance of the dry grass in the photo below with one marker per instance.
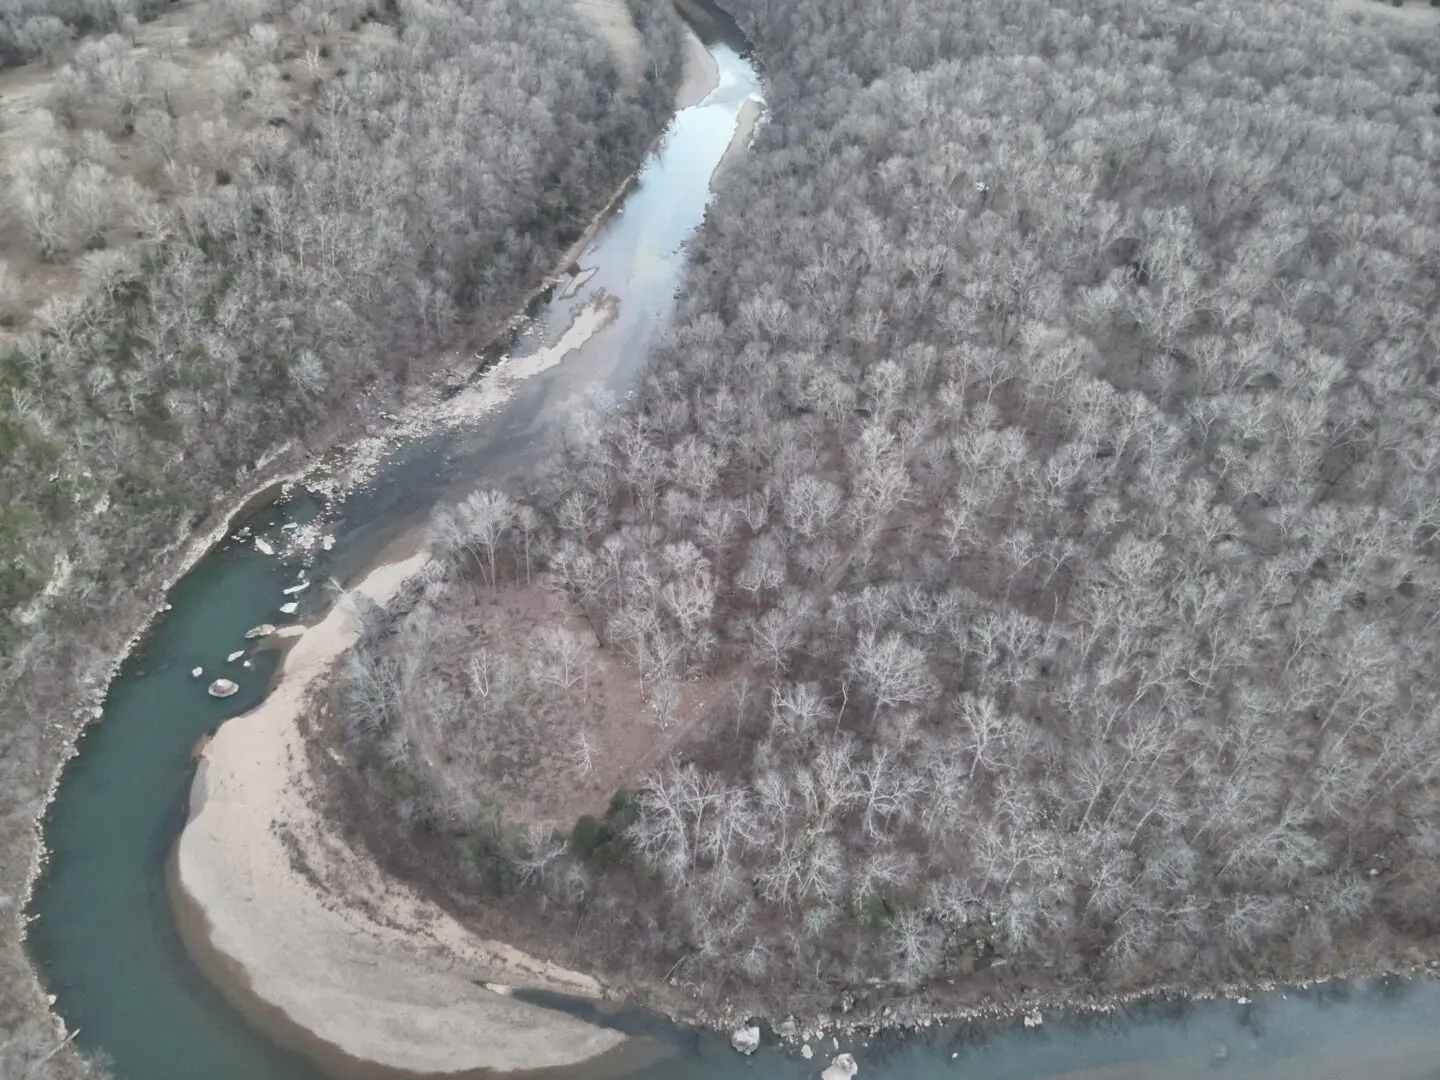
(210, 100)
(528, 753)
(613, 21)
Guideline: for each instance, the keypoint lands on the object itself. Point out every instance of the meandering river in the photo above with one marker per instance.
(105, 939)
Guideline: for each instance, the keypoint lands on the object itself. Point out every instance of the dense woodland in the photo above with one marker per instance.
(253, 223)
(1044, 457)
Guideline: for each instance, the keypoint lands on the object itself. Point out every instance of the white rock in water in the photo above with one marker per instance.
(167, 607)
(263, 630)
(746, 1040)
(288, 609)
(327, 542)
(234, 656)
(222, 688)
(290, 525)
(293, 589)
(1034, 1019)
(806, 1052)
(264, 548)
(246, 664)
(841, 1067)
(196, 672)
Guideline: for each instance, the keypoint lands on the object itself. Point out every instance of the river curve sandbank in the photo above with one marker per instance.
(357, 959)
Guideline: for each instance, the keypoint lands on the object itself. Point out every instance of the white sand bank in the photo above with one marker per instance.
(745, 122)
(359, 960)
(701, 73)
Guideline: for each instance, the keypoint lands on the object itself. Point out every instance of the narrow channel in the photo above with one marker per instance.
(105, 938)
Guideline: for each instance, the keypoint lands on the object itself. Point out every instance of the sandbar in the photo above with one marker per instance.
(353, 957)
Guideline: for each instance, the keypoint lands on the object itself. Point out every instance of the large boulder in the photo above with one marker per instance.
(841, 1067)
(746, 1040)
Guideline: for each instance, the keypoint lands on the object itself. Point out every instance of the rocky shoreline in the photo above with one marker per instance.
(855, 1028)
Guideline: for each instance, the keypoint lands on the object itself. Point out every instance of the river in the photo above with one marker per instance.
(104, 937)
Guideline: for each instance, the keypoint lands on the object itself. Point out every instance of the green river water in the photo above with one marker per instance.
(105, 940)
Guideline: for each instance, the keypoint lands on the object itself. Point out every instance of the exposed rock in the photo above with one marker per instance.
(288, 609)
(234, 656)
(327, 542)
(263, 630)
(746, 1040)
(806, 1052)
(1034, 1019)
(196, 672)
(222, 688)
(263, 547)
(841, 1067)
(293, 589)
(787, 1028)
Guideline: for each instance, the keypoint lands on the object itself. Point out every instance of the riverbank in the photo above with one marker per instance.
(65, 689)
(361, 962)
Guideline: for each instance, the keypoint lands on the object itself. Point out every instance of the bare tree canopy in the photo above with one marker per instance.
(1048, 431)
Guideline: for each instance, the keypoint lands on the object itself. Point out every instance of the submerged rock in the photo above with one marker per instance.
(746, 1040)
(263, 630)
(1219, 1051)
(841, 1067)
(222, 688)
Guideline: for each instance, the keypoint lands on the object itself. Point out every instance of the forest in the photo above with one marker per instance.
(229, 228)
(1039, 482)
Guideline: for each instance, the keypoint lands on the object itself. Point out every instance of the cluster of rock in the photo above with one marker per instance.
(224, 688)
(746, 1040)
